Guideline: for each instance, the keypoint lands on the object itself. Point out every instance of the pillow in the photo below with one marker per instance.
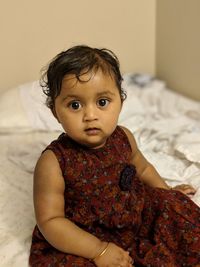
(23, 109)
(12, 114)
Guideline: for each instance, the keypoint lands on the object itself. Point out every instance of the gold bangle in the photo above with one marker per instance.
(102, 253)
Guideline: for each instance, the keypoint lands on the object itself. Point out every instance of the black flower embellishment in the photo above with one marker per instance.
(126, 177)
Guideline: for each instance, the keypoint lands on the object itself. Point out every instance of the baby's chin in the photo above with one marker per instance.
(95, 145)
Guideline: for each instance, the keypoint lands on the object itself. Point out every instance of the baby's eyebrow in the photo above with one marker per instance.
(69, 96)
(106, 92)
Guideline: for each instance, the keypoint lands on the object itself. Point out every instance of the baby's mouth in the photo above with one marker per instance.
(92, 131)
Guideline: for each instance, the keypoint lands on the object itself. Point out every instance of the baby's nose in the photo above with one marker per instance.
(90, 113)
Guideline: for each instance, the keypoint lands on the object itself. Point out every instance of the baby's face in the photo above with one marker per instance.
(88, 111)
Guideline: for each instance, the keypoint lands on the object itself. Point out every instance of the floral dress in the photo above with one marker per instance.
(160, 228)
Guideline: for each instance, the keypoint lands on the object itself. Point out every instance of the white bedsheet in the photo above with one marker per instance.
(166, 127)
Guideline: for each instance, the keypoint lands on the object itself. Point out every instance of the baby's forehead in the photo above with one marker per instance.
(97, 81)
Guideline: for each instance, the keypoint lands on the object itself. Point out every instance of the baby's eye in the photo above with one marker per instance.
(103, 102)
(75, 105)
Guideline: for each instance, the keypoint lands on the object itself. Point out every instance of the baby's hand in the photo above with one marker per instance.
(185, 188)
(114, 257)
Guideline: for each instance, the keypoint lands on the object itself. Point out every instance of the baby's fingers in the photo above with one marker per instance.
(185, 188)
(127, 261)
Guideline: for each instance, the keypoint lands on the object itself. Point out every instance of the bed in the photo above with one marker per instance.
(166, 126)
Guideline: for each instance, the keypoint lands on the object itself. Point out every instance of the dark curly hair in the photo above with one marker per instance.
(79, 60)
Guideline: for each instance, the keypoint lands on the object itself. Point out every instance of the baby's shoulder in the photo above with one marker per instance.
(129, 135)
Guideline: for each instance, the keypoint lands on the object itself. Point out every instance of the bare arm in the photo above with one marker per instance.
(49, 210)
(145, 170)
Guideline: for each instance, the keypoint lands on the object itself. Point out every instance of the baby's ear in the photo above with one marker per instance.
(54, 113)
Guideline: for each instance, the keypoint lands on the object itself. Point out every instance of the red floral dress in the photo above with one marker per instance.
(160, 228)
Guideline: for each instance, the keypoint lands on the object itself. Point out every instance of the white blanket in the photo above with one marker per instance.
(166, 127)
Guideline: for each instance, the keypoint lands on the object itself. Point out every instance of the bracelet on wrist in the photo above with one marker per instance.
(102, 252)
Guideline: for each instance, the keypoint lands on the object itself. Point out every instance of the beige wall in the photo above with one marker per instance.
(178, 45)
(32, 32)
